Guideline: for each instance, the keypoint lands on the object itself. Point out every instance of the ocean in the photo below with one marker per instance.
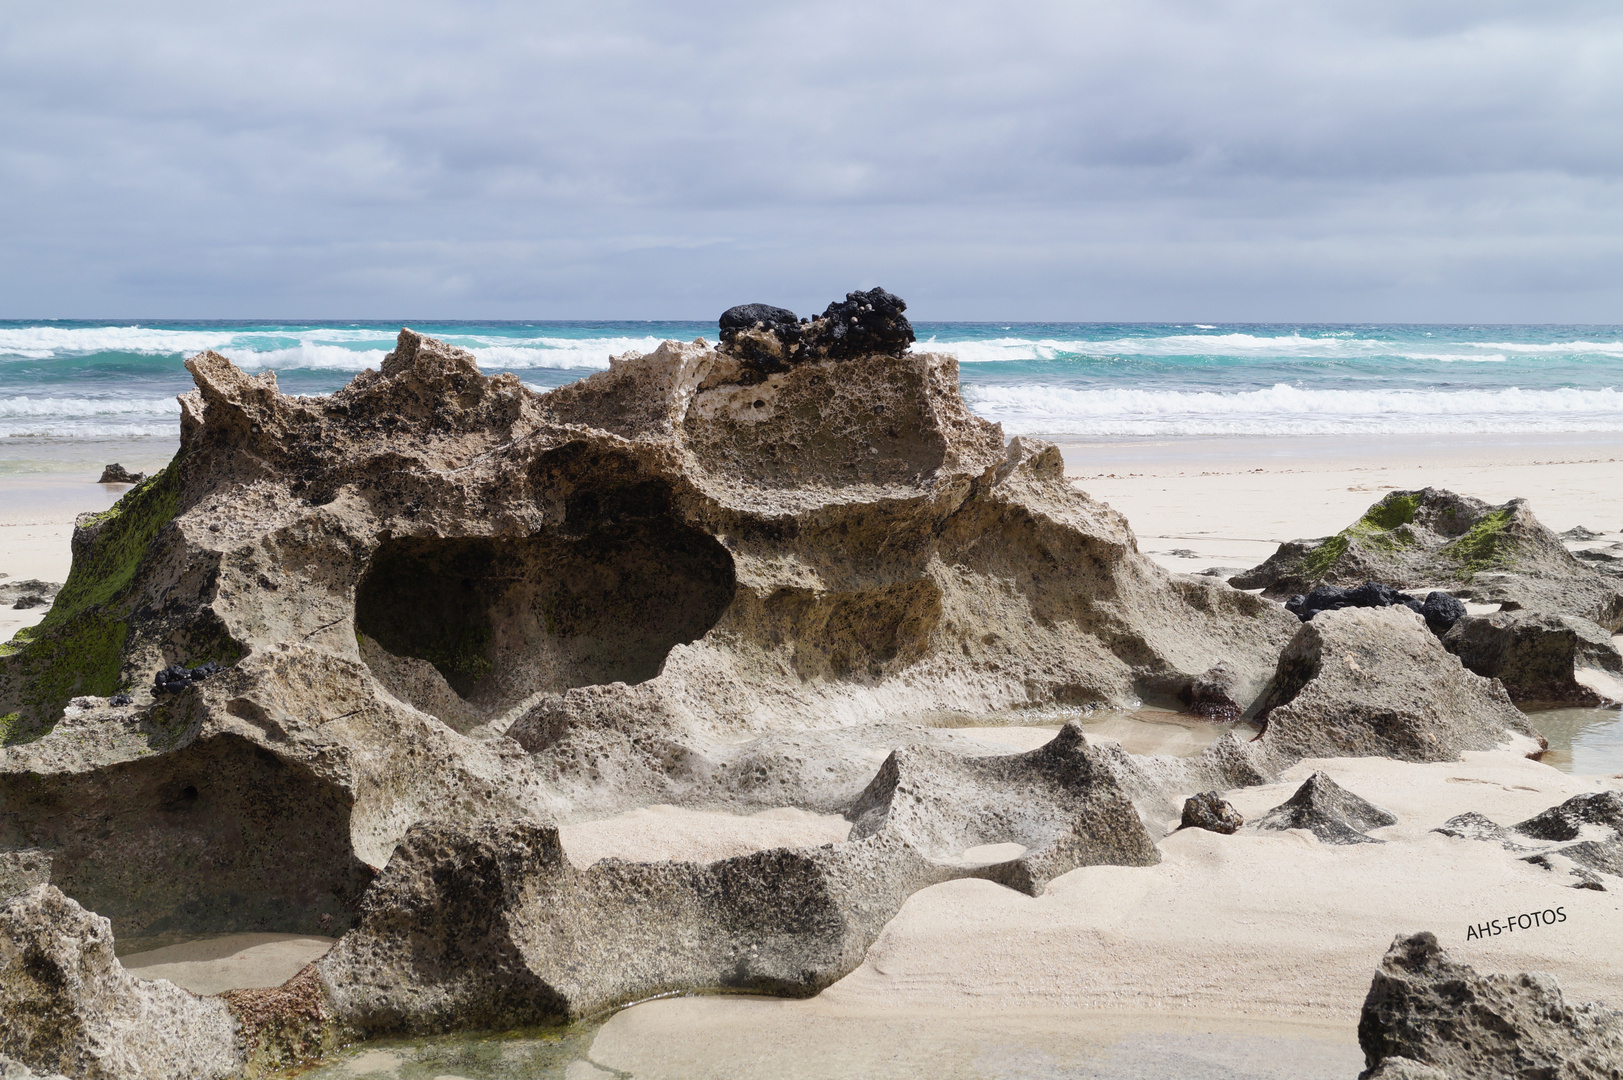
(97, 380)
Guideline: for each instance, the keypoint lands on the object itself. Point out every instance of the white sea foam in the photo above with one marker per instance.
(1288, 410)
(86, 418)
(323, 349)
(45, 342)
(1606, 348)
(13, 407)
(308, 356)
(1249, 346)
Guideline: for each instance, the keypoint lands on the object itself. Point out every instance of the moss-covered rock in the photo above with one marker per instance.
(78, 648)
(1435, 539)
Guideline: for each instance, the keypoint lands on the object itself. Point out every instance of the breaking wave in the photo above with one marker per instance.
(1289, 410)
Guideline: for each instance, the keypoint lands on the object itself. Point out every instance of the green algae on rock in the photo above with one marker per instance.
(1435, 539)
(79, 647)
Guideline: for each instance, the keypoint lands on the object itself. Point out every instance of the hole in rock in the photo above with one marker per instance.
(602, 599)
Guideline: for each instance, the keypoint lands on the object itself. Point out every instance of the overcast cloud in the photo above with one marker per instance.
(1426, 160)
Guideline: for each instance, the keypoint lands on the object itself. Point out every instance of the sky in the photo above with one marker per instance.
(1140, 160)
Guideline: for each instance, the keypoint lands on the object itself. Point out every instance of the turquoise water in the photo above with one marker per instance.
(85, 380)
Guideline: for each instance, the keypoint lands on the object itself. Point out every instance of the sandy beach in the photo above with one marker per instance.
(1232, 501)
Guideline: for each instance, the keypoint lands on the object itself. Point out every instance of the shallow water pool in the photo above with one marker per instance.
(743, 1038)
(1582, 741)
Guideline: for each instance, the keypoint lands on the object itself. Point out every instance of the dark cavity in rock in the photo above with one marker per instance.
(503, 618)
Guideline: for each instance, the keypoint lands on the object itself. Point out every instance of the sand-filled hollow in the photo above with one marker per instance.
(214, 964)
(654, 833)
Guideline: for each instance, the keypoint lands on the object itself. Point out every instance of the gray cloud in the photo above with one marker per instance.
(1248, 159)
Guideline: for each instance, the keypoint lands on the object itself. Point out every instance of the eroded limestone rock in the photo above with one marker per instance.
(1428, 1014)
(1329, 811)
(1060, 802)
(1435, 539)
(491, 926)
(1376, 682)
(68, 1006)
(1208, 810)
(1581, 836)
(1539, 658)
(445, 612)
(1215, 694)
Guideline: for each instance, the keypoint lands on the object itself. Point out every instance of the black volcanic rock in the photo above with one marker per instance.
(766, 336)
(771, 339)
(1371, 594)
(863, 324)
(1441, 611)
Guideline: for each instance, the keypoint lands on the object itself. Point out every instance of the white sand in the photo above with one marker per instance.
(740, 1038)
(1139, 732)
(36, 530)
(654, 833)
(223, 962)
(1253, 951)
(1257, 924)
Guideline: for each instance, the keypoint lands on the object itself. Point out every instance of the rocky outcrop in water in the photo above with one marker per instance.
(1435, 539)
(1538, 657)
(118, 474)
(1216, 694)
(1428, 1015)
(1329, 811)
(1375, 681)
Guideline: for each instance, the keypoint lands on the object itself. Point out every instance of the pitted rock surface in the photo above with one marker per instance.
(68, 1006)
(1426, 1008)
(1209, 811)
(626, 573)
(1329, 811)
(1536, 656)
(1376, 682)
(1583, 836)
